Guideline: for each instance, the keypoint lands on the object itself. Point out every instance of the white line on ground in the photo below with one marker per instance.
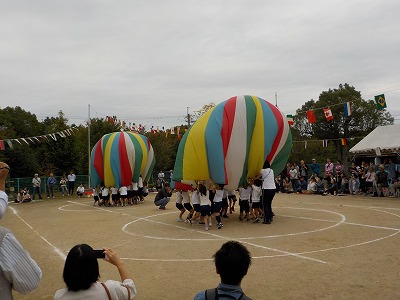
(58, 251)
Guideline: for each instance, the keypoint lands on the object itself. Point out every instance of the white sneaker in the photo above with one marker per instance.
(179, 220)
(206, 227)
(210, 224)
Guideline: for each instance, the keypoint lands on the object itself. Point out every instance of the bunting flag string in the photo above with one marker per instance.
(325, 142)
(35, 139)
(347, 110)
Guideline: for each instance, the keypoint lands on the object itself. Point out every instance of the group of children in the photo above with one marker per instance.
(23, 196)
(123, 196)
(215, 201)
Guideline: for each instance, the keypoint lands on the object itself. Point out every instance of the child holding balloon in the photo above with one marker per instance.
(205, 205)
(196, 206)
(219, 193)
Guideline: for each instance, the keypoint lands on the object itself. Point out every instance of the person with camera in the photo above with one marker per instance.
(18, 271)
(81, 275)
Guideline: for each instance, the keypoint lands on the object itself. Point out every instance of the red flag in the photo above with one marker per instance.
(328, 114)
(2, 145)
(311, 116)
(344, 141)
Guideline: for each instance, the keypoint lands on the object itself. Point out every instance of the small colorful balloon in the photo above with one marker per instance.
(119, 158)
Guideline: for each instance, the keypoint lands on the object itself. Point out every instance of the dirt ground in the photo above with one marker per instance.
(317, 247)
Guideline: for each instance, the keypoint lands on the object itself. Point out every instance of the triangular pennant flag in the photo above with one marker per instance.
(290, 119)
(328, 114)
(325, 143)
(344, 141)
(347, 109)
(380, 101)
(305, 144)
(26, 142)
(172, 130)
(18, 141)
(9, 144)
(311, 116)
(2, 145)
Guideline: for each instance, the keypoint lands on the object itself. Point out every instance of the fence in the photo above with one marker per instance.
(14, 185)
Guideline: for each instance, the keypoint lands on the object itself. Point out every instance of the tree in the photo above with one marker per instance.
(18, 123)
(59, 156)
(165, 148)
(364, 118)
(198, 113)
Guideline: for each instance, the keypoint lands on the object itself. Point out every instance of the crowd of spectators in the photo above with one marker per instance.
(367, 178)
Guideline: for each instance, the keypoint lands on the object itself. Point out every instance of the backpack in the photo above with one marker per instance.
(212, 294)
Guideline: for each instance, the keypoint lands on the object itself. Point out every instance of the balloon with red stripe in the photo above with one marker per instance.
(119, 158)
(230, 142)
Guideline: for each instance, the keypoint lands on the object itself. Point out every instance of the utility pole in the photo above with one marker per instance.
(89, 142)
(188, 116)
(276, 100)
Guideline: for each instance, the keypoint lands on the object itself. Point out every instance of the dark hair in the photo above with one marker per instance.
(202, 190)
(166, 184)
(258, 182)
(232, 262)
(266, 165)
(81, 268)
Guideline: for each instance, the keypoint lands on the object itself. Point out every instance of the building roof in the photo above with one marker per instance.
(383, 139)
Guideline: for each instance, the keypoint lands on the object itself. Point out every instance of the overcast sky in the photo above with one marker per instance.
(147, 61)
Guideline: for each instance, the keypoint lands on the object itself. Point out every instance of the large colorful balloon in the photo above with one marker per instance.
(231, 142)
(119, 158)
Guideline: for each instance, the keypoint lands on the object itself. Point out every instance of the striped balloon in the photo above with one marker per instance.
(119, 158)
(231, 142)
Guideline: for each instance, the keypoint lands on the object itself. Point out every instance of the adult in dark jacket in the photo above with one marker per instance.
(163, 196)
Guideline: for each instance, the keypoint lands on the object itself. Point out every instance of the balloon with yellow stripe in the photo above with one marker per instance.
(119, 158)
(230, 143)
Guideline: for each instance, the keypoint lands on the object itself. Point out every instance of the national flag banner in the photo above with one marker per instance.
(311, 116)
(290, 119)
(2, 145)
(178, 133)
(325, 143)
(344, 141)
(305, 144)
(172, 130)
(347, 109)
(380, 101)
(328, 114)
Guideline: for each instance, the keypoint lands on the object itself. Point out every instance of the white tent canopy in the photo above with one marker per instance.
(383, 140)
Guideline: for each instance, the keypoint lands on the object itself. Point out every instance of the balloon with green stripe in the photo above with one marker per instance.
(230, 143)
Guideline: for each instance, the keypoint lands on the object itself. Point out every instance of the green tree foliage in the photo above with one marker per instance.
(98, 128)
(198, 113)
(165, 148)
(59, 155)
(364, 118)
(16, 123)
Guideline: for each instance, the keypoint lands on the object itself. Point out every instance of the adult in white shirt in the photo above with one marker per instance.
(18, 271)
(81, 275)
(71, 183)
(268, 191)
